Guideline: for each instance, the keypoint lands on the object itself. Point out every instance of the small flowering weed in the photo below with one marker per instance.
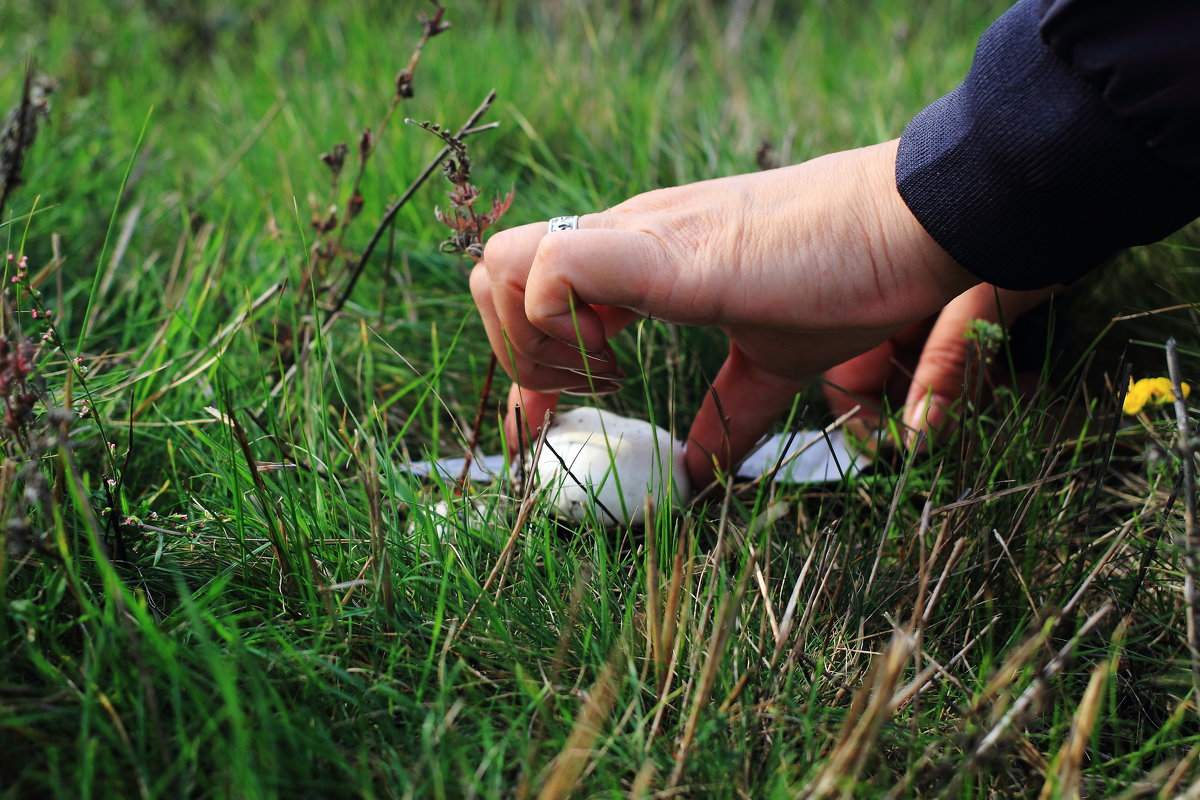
(1150, 393)
(20, 356)
(42, 417)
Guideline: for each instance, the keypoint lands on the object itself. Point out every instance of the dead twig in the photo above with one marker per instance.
(20, 130)
(335, 309)
(1191, 538)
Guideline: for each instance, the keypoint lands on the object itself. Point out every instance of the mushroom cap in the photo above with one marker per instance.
(591, 453)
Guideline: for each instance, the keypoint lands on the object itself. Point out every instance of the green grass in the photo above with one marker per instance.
(176, 622)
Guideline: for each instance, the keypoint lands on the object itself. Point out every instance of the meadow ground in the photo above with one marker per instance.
(218, 581)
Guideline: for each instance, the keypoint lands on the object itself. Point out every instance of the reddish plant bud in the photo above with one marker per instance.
(335, 159)
(404, 81)
(464, 195)
(366, 144)
(435, 24)
(499, 206)
(354, 206)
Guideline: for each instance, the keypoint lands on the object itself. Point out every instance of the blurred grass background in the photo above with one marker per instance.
(177, 623)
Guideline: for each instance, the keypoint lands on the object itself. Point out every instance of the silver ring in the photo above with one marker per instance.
(564, 224)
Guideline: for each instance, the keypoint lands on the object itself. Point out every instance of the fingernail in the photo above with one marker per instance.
(599, 355)
(914, 421)
(597, 387)
(612, 373)
(928, 417)
(935, 418)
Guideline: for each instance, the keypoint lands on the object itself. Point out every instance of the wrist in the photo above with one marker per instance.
(905, 252)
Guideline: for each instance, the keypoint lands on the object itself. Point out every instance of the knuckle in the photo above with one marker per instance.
(512, 286)
(552, 252)
(546, 301)
(480, 283)
(529, 345)
(498, 249)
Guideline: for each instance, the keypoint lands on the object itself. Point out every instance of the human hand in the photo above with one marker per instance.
(803, 267)
(926, 360)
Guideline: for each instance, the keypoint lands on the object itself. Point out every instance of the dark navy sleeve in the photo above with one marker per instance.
(1075, 134)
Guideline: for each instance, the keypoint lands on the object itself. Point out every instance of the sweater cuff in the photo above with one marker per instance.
(1024, 176)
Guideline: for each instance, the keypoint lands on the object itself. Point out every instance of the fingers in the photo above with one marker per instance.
(875, 380)
(574, 271)
(938, 378)
(745, 400)
(508, 267)
(538, 341)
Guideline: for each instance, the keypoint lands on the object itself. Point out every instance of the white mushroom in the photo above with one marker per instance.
(590, 453)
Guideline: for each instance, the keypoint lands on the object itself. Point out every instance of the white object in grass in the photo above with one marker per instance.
(596, 463)
(803, 457)
(446, 520)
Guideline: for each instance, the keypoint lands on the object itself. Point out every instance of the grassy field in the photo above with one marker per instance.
(218, 580)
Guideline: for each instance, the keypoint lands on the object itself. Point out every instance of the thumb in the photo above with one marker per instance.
(743, 403)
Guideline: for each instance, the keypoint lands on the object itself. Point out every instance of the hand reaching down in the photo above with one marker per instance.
(803, 267)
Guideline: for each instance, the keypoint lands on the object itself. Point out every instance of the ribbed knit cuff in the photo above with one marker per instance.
(1024, 176)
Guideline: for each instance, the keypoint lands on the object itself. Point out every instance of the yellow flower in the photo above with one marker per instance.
(1153, 392)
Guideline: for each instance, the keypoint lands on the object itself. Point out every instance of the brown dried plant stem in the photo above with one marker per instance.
(467, 128)
(1191, 539)
(726, 618)
(477, 426)
(379, 551)
(568, 766)
(467, 227)
(13, 155)
(20, 129)
(275, 530)
(431, 27)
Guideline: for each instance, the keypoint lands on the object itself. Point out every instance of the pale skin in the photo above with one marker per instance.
(809, 269)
